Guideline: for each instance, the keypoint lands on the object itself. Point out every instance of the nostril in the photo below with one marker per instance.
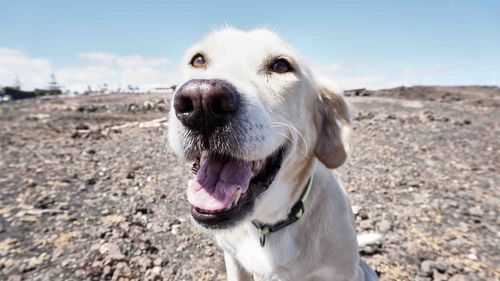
(217, 107)
(223, 104)
(220, 106)
(185, 105)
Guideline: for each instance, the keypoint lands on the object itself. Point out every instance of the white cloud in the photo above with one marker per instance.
(98, 68)
(98, 57)
(117, 71)
(371, 77)
(93, 69)
(17, 64)
(123, 61)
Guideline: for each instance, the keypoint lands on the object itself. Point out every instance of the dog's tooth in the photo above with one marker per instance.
(204, 152)
(204, 156)
(256, 166)
(237, 198)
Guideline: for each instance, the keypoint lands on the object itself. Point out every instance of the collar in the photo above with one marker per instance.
(294, 215)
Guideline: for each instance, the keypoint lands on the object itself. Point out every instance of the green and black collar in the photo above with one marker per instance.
(294, 215)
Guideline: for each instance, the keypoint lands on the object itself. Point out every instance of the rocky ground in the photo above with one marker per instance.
(88, 190)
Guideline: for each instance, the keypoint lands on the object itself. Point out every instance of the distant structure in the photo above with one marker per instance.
(17, 84)
(362, 92)
(170, 89)
(53, 85)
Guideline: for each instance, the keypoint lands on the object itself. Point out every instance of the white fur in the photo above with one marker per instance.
(282, 108)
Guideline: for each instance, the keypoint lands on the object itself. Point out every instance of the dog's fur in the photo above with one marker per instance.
(297, 108)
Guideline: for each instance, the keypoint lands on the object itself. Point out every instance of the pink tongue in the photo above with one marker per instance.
(216, 183)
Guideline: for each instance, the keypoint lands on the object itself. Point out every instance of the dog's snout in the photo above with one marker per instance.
(205, 104)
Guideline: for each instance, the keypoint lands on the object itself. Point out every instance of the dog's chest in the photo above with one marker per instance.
(278, 255)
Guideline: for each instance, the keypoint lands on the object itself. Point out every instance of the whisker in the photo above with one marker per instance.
(294, 130)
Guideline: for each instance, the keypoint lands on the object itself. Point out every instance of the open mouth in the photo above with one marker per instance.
(224, 188)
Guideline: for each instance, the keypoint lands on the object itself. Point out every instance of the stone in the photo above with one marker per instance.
(426, 268)
(3, 224)
(476, 211)
(15, 278)
(459, 277)
(158, 261)
(112, 251)
(384, 225)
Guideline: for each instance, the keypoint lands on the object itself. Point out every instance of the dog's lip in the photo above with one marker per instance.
(260, 182)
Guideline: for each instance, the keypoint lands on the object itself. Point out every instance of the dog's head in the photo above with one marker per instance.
(252, 118)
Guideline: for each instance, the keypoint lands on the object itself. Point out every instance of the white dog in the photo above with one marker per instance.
(263, 132)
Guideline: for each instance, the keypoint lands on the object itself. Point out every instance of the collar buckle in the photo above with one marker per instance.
(294, 215)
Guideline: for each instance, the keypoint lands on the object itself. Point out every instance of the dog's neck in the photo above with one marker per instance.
(288, 186)
(294, 215)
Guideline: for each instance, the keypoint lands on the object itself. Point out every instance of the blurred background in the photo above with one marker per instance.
(88, 190)
(137, 45)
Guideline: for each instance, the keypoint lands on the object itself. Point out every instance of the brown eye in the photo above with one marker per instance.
(281, 66)
(198, 61)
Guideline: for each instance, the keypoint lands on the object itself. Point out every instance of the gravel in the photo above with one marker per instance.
(89, 190)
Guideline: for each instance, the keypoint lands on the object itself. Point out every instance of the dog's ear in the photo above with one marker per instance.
(333, 121)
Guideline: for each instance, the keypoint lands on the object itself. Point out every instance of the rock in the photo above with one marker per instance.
(91, 181)
(144, 263)
(435, 269)
(175, 229)
(133, 107)
(148, 105)
(82, 127)
(38, 212)
(437, 276)
(355, 209)
(426, 268)
(34, 262)
(14, 278)
(476, 211)
(158, 261)
(153, 274)
(37, 117)
(107, 270)
(472, 257)
(459, 277)
(112, 251)
(413, 184)
(44, 203)
(3, 224)
(384, 225)
(91, 108)
(122, 272)
(363, 214)
(162, 107)
(369, 250)
(131, 175)
(440, 265)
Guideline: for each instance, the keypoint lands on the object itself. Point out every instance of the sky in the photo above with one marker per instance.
(357, 44)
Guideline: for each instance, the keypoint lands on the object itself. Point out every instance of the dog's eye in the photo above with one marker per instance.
(198, 61)
(280, 66)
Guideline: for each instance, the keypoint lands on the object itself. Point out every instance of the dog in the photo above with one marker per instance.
(264, 132)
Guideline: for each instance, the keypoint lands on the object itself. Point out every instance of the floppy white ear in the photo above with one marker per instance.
(333, 121)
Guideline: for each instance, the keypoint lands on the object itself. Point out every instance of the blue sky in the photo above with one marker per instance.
(372, 44)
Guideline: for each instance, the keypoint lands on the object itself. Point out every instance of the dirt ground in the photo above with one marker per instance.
(89, 191)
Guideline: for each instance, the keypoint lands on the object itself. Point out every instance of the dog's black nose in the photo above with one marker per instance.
(206, 104)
